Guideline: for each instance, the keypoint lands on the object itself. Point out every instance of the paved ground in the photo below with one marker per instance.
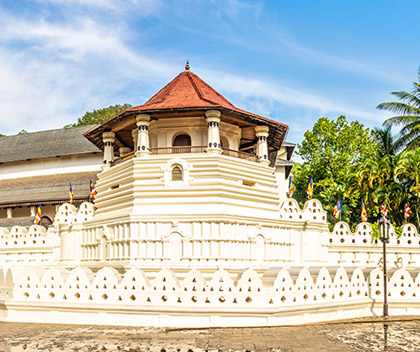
(402, 334)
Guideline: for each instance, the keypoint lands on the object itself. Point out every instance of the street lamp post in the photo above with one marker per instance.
(384, 226)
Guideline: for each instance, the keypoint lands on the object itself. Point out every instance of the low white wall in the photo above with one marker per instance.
(165, 298)
(358, 249)
(35, 246)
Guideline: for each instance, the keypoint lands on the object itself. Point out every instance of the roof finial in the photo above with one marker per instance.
(187, 66)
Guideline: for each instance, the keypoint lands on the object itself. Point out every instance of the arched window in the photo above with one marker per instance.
(177, 173)
(224, 142)
(182, 140)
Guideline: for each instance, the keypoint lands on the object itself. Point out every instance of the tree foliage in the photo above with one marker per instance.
(329, 151)
(351, 162)
(98, 116)
(407, 112)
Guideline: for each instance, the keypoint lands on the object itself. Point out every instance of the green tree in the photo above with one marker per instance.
(374, 178)
(407, 112)
(386, 142)
(329, 151)
(407, 172)
(98, 116)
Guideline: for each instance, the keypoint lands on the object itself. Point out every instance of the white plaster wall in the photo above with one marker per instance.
(50, 166)
(282, 182)
(215, 184)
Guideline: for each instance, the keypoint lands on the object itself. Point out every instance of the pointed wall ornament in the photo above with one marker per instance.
(187, 66)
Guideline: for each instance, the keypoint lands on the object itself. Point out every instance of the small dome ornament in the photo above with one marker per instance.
(187, 66)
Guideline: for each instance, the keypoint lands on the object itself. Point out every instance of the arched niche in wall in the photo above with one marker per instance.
(181, 139)
(175, 246)
(224, 142)
(176, 173)
(175, 238)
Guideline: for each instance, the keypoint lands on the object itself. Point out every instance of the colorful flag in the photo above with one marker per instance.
(337, 209)
(384, 210)
(92, 191)
(71, 194)
(290, 187)
(37, 219)
(407, 212)
(310, 188)
(363, 214)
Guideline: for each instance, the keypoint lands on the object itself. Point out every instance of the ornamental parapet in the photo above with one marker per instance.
(216, 298)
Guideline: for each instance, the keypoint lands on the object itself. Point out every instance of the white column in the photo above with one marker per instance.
(143, 121)
(9, 213)
(108, 138)
(213, 120)
(262, 147)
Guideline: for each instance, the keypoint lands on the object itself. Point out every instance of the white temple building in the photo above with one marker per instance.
(191, 227)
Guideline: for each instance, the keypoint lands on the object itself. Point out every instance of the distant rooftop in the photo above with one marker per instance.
(48, 189)
(35, 145)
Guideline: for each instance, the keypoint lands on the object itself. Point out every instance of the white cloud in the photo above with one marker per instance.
(54, 69)
(144, 7)
(77, 39)
(52, 73)
(265, 93)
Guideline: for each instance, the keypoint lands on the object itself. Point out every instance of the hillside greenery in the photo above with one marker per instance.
(98, 116)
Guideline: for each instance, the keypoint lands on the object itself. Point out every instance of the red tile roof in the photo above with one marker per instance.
(186, 90)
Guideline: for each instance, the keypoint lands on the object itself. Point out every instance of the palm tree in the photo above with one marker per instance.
(386, 142)
(407, 115)
(377, 172)
(407, 172)
(372, 178)
(394, 197)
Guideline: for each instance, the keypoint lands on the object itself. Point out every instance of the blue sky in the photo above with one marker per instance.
(292, 61)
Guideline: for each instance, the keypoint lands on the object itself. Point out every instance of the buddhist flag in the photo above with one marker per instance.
(290, 187)
(384, 210)
(363, 214)
(37, 219)
(70, 194)
(407, 212)
(337, 209)
(92, 191)
(310, 189)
